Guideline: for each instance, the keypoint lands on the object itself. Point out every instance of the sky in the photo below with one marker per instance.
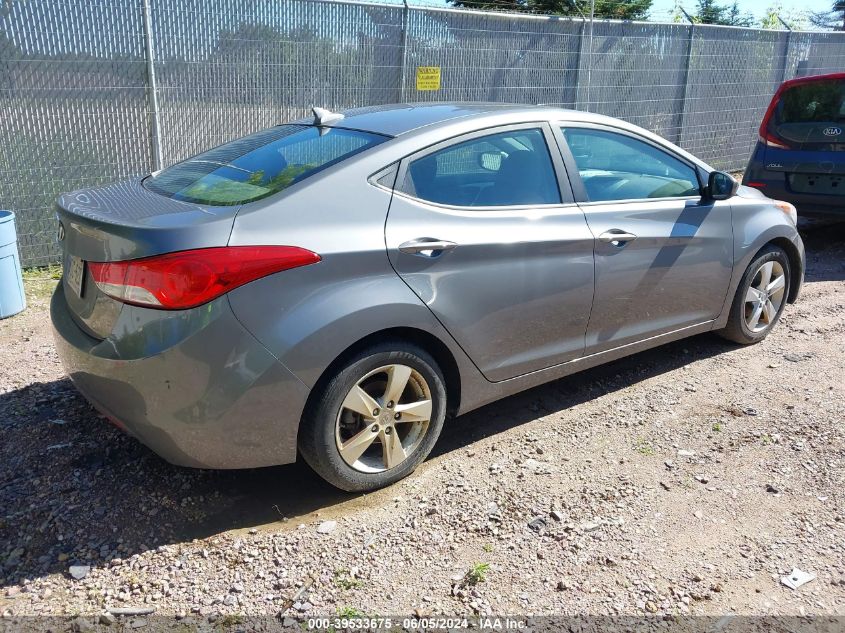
(756, 7)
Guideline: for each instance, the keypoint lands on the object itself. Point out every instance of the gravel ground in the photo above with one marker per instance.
(687, 479)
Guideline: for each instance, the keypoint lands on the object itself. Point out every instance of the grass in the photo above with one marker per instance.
(39, 282)
(717, 426)
(231, 620)
(487, 547)
(643, 447)
(477, 573)
(344, 580)
(349, 612)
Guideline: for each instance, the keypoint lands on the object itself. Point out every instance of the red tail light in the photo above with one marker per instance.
(767, 136)
(186, 279)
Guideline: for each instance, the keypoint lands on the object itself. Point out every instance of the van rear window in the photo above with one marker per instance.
(259, 165)
(816, 102)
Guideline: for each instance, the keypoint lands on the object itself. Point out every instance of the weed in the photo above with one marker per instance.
(349, 612)
(344, 580)
(643, 447)
(477, 573)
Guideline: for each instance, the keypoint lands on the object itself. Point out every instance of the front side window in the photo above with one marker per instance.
(618, 167)
(259, 165)
(504, 169)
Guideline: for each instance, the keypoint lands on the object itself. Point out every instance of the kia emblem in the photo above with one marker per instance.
(832, 131)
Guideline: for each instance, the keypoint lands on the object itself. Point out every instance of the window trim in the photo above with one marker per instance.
(578, 188)
(567, 198)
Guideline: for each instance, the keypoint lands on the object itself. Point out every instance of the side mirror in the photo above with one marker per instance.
(721, 186)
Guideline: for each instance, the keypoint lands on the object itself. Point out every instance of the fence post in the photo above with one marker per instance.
(582, 35)
(785, 48)
(590, 55)
(404, 69)
(679, 137)
(155, 128)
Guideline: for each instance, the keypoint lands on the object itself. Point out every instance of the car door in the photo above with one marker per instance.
(663, 255)
(484, 229)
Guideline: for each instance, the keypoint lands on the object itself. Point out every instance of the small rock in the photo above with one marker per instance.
(698, 514)
(327, 527)
(685, 453)
(538, 524)
(562, 585)
(78, 572)
(590, 526)
(772, 489)
(107, 618)
(702, 479)
(557, 515)
(237, 588)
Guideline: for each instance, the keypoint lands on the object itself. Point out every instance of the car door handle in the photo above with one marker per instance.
(422, 244)
(617, 237)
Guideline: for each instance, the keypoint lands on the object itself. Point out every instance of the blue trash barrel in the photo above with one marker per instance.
(12, 298)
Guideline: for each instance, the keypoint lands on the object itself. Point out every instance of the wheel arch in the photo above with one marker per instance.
(796, 266)
(426, 340)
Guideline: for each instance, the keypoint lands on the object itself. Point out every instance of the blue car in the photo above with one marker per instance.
(800, 156)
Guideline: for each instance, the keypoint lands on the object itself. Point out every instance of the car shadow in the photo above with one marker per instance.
(75, 490)
(824, 241)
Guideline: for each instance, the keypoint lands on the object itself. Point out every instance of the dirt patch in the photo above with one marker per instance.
(689, 478)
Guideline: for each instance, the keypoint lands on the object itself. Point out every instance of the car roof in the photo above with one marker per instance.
(808, 79)
(401, 118)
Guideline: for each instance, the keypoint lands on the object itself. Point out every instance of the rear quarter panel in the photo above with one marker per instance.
(307, 317)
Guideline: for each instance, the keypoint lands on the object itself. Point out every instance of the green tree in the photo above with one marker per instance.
(833, 19)
(605, 9)
(710, 12)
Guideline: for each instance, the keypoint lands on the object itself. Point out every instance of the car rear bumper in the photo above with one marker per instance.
(805, 203)
(193, 386)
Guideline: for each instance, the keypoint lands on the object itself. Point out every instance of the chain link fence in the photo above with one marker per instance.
(93, 91)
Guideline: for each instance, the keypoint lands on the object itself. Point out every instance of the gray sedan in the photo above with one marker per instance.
(338, 286)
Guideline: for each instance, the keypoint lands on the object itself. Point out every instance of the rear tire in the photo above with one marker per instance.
(760, 298)
(376, 419)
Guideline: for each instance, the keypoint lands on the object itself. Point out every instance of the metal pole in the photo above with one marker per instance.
(155, 127)
(785, 48)
(590, 56)
(405, 23)
(682, 117)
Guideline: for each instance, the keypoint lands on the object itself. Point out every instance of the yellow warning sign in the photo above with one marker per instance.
(428, 77)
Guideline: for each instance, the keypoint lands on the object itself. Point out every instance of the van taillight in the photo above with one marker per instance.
(767, 137)
(186, 279)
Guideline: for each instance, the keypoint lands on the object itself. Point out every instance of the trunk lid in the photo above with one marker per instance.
(126, 221)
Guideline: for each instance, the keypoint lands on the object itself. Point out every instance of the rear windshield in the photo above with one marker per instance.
(259, 165)
(816, 102)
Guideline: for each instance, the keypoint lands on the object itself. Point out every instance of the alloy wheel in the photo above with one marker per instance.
(765, 296)
(383, 419)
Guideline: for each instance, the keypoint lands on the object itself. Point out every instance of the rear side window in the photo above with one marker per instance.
(504, 169)
(618, 167)
(259, 165)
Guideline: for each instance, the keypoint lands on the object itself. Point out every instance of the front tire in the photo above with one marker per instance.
(376, 419)
(760, 298)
